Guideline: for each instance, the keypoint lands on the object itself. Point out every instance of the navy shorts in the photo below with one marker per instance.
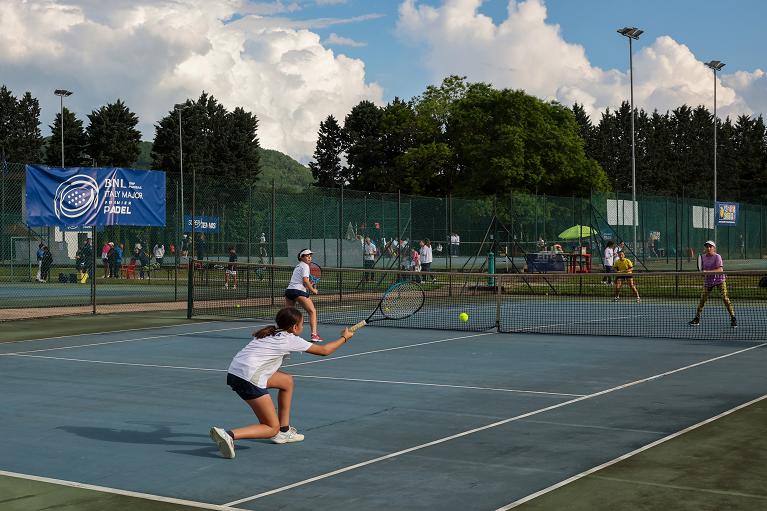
(244, 388)
(292, 294)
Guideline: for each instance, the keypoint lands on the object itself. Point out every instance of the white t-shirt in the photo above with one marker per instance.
(426, 257)
(609, 256)
(369, 251)
(261, 358)
(300, 272)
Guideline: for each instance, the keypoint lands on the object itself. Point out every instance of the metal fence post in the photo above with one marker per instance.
(274, 237)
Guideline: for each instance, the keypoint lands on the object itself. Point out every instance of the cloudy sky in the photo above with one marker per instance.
(294, 62)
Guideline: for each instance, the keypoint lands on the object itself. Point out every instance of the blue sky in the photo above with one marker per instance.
(728, 31)
(294, 62)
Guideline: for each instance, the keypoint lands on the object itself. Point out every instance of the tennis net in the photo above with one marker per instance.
(552, 303)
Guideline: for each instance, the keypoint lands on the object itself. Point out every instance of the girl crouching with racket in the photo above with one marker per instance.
(301, 284)
(256, 368)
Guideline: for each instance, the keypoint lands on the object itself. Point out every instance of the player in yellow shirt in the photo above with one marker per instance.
(624, 267)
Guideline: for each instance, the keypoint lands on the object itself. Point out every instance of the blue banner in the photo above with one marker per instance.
(88, 196)
(727, 213)
(201, 223)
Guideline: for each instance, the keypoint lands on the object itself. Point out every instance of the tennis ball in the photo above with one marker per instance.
(463, 317)
(238, 305)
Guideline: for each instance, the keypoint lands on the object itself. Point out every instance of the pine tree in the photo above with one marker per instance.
(75, 142)
(326, 167)
(113, 140)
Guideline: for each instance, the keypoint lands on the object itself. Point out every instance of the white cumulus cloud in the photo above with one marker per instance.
(524, 51)
(154, 53)
(337, 40)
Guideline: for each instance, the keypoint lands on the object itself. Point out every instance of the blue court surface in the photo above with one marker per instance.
(396, 419)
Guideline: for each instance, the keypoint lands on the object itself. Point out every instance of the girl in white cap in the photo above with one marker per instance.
(299, 290)
(713, 267)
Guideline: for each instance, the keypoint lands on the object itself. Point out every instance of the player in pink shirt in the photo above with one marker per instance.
(713, 267)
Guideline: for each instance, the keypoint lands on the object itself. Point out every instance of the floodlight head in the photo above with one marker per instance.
(62, 92)
(716, 65)
(180, 106)
(631, 32)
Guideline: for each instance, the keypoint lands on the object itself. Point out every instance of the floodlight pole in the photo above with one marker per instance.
(178, 108)
(632, 33)
(62, 93)
(715, 66)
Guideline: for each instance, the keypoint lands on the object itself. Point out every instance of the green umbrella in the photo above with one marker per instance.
(576, 232)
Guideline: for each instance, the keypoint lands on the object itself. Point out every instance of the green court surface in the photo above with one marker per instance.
(88, 324)
(722, 465)
(712, 464)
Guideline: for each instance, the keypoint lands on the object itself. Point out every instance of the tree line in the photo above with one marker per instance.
(675, 152)
(472, 139)
(459, 137)
(220, 146)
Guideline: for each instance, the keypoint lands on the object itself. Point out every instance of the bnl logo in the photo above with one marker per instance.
(75, 197)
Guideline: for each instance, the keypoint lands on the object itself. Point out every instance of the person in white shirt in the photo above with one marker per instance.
(607, 262)
(426, 257)
(369, 253)
(298, 290)
(455, 243)
(255, 368)
(159, 252)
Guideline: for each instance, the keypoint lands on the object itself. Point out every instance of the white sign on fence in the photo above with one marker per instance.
(620, 212)
(702, 217)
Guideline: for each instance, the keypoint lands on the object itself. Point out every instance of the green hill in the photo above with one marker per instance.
(286, 172)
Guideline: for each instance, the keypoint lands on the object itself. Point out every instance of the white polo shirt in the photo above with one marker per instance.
(261, 358)
(609, 258)
(300, 272)
(426, 255)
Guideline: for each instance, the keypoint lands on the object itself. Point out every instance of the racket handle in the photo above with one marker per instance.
(359, 325)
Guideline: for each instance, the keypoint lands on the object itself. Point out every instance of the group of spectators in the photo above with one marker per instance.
(114, 254)
(415, 259)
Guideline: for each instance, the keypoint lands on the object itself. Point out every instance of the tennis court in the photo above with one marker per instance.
(399, 418)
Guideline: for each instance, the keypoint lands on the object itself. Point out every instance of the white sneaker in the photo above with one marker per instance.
(639, 300)
(234, 287)
(615, 299)
(226, 286)
(224, 442)
(291, 435)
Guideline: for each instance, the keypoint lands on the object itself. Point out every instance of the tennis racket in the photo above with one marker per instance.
(400, 301)
(315, 273)
(700, 262)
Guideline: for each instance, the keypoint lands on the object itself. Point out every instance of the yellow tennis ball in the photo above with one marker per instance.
(238, 305)
(463, 317)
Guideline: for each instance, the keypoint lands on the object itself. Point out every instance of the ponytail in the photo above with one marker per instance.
(287, 317)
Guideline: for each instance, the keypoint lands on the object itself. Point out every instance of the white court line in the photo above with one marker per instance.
(391, 349)
(109, 332)
(482, 428)
(602, 320)
(116, 491)
(439, 385)
(627, 455)
(126, 340)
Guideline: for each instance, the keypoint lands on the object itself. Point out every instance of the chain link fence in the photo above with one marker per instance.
(268, 224)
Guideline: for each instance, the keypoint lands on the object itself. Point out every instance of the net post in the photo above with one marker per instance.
(274, 239)
(93, 269)
(190, 286)
(498, 304)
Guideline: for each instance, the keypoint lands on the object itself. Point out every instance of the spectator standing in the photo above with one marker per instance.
(455, 244)
(39, 256)
(415, 264)
(607, 262)
(105, 259)
(369, 252)
(426, 257)
(231, 269)
(541, 244)
(87, 257)
(46, 261)
(200, 247)
(118, 260)
(159, 252)
(185, 246)
(111, 256)
(143, 259)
